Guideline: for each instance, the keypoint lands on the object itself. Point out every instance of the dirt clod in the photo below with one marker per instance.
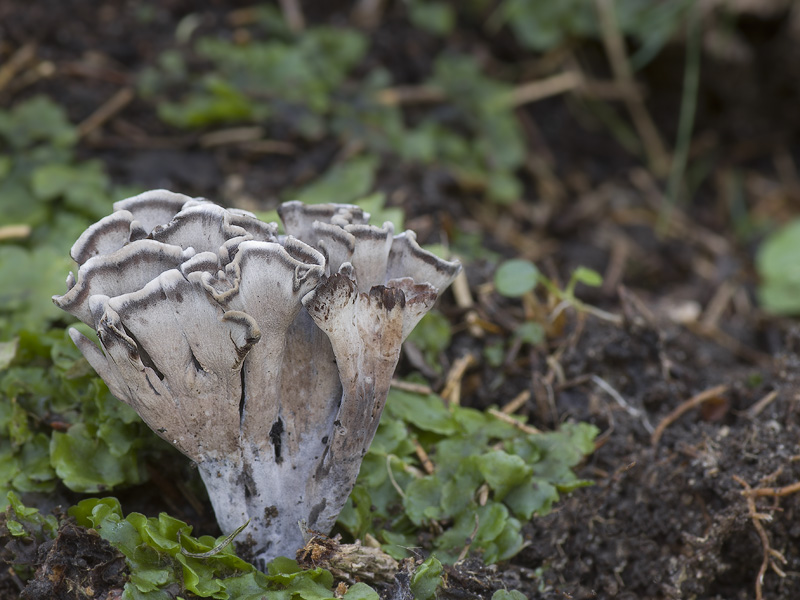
(77, 565)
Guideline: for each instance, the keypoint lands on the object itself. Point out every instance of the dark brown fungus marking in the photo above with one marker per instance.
(275, 437)
(315, 512)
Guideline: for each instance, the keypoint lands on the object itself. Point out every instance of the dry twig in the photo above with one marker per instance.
(719, 302)
(106, 111)
(513, 422)
(414, 388)
(517, 402)
(684, 407)
(544, 88)
(14, 232)
(464, 300)
(757, 408)
(18, 60)
(451, 393)
(424, 459)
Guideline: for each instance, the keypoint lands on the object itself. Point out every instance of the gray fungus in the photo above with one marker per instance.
(264, 358)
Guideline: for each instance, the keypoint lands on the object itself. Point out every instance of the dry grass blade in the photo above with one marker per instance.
(24, 55)
(545, 88)
(617, 56)
(106, 111)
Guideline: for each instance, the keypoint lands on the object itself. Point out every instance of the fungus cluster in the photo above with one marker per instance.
(264, 358)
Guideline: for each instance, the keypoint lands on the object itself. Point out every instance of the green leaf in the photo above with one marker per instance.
(24, 520)
(356, 516)
(396, 544)
(120, 437)
(9, 468)
(86, 464)
(38, 119)
(531, 333)
(250, 586)
(777, 264)
(457, 492)
(543, 25)
(432, 336)
(217, 102)
(570, 486)
(491, 521)
(508, 595)
(422, 499)
(157, 561)
(516, 277)
(35, 473)
(361, 591)
(427, 413)
(18, 206)
(434, 17)
(5, 166)
(15, 528)
(587, 276)
(84, 187)
(582, 275)
(503, 187)
(343, 183)
(391, 438)
(426, 579)
(151, 579)
(8, 350)
(19, 431)
(563, 449)
(91, 512)
(505, 545)
(534, 496)
(37, 275)
(282, 566)
(457, 452)
(495, 353)
(503, 471)
(375, 205)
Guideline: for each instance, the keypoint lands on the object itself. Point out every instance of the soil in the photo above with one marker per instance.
(669, 515)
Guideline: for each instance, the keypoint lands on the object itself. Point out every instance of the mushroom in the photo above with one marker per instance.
(264, 358)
